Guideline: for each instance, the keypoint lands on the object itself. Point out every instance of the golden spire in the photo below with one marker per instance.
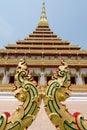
(43, 19)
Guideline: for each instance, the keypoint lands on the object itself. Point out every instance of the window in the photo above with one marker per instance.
(11, 79)
(85, 80)
(36, 78)
(73, 80)
(1, 78)
(48, 78)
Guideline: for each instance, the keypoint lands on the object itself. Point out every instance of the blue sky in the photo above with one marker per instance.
(67, 18)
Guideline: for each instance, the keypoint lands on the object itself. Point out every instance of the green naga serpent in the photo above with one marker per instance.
(58, 90)
(26, 91)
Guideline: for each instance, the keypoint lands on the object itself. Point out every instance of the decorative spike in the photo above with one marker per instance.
(43, 19)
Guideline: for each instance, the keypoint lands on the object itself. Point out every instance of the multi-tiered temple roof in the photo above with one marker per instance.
(43, 48)
(43, 42)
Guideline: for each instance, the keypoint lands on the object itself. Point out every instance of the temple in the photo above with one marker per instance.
(43, 49)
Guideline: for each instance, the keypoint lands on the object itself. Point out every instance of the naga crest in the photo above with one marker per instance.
(25, 90)
(58, 90)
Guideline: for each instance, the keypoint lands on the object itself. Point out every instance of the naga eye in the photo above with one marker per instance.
(57, 85)
(26, 87)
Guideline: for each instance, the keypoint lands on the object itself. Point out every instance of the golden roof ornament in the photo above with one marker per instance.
(43, 19)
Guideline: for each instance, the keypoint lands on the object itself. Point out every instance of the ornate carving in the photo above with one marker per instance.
(26, 91)
(58, 90)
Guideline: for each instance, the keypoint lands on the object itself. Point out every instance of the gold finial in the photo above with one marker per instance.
(43, 19)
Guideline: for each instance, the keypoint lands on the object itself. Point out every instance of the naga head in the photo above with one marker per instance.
(23, 81)
(20, 94)
(61, 81)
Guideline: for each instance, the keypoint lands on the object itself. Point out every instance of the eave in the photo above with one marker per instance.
(62, 47)
(44, 63)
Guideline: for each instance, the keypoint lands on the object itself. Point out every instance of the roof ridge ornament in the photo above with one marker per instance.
(43, 19)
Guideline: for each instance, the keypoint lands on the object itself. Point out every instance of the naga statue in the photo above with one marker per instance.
(25, 90)
(58, 90)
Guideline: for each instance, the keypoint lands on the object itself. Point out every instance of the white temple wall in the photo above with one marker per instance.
(83, 71)
(79, 58)
(78, 75)
(49, 70)
(49, 57)
(12, 70)
(35, 57)
(79, 79)
(42, 79)
(66, 57)
(73, 71)
(43, 73)
(73, 58)
(5, 78)
(36, 70)
(12, 57)
(19, 57)
(1, 69)
(6, 73)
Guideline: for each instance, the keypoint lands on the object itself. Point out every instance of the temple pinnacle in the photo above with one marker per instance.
(43, 19)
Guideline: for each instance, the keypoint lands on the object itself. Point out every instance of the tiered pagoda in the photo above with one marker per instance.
(43, 50)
